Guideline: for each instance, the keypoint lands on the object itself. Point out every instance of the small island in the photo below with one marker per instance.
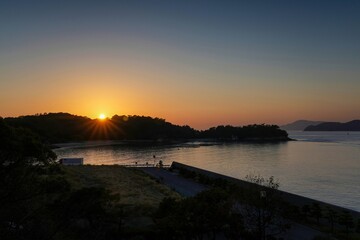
(335, 126)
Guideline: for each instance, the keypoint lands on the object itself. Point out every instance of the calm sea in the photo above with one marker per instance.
(320, 165)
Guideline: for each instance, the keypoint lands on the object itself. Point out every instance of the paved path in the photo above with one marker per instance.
(185, 187)
(189, 188)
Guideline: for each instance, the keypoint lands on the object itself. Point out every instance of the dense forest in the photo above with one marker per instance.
(65, 127)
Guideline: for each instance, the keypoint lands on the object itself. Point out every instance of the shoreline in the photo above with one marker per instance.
(293, 198)
(202, 142)
(187, 186)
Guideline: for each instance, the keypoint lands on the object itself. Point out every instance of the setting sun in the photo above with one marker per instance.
(102, 116)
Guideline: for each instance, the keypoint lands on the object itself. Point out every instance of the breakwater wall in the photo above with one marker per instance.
(291, 198)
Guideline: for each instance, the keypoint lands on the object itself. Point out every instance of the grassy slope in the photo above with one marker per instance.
(139, 193)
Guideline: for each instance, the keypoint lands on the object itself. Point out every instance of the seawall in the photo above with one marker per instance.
(294, 199)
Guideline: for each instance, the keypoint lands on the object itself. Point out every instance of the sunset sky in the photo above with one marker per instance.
(201, 63)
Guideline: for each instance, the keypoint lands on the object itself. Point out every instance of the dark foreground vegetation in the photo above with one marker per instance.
(261, 212)
(64, 127)
(36, 200)
(226, 212)
(41, 200)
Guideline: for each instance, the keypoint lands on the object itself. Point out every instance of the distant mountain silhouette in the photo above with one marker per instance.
(336, 126)
(299, 125)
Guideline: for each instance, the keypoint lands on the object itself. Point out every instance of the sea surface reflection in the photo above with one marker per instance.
(320, 165)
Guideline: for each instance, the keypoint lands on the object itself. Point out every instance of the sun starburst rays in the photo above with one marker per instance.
(99, 129)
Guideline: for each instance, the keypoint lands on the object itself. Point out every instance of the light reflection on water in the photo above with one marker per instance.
(327, 170)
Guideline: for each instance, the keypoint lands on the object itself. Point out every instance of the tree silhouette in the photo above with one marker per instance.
(332, 217)
(27, 175)
(347, 221)
(65, 127)
(203, 216)
(36, 200)
(261, 208)
(316, 212)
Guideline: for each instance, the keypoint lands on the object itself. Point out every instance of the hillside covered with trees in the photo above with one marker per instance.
(336, 126)
(65, 127)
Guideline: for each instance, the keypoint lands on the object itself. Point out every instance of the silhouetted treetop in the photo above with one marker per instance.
(249, 132)
(65, 127)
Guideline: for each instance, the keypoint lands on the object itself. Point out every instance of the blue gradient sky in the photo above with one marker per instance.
(201, 63)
